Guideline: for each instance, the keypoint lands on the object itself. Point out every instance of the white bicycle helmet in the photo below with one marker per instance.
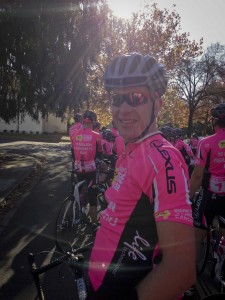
(134, 69)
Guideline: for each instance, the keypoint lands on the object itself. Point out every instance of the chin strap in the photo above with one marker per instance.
(147, 128)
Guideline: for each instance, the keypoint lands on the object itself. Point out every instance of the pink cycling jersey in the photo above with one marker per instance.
(74, 128)
(150, 185)
(211, 155)
(118, 146)
(194, 143)
(107, 147)
(85, 145)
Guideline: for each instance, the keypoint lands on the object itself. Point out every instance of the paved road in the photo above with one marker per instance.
(31, 228)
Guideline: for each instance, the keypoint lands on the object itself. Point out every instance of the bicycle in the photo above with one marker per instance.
(207, 249)
(74, 227)
(75, 261)
(213, 253)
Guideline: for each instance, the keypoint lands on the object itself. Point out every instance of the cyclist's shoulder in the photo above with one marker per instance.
(209, 141)
(155, 149)
(96, 134)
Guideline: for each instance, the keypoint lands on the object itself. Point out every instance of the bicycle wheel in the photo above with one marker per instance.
(204, 253)
(65, 225)
(222, 278)
(84, 229)
(73, 226)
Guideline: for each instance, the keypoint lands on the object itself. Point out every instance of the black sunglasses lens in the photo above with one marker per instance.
(117, 100)
(131, 99)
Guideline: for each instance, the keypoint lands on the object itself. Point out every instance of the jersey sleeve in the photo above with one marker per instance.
(170, 186)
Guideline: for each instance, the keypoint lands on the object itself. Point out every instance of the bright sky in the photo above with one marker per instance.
(202, 18)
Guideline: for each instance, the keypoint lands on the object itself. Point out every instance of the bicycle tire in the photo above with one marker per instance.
(222, 277)
(64, 225)
(73, 226)
(204, 253)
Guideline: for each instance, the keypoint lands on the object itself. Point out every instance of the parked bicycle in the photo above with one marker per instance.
(74, 227)
(213, 255)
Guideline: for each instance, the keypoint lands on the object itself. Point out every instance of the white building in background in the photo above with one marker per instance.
(51, 124)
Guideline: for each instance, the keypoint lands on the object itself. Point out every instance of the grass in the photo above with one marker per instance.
(47, 137)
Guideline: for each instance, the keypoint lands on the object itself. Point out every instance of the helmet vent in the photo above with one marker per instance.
(123, 63)
(148, 65)
(136, 61)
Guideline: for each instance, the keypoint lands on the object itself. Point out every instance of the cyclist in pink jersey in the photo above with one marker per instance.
(118, 146)
(193, 143)
(185, 149)
(86, 148)
(209, 172)
(107, 142)
(147, 226)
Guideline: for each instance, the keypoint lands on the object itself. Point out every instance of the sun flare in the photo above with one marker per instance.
(125, 8)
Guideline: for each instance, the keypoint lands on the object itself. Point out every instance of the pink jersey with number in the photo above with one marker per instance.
(150, 185)
(85, 145)
(211, 155)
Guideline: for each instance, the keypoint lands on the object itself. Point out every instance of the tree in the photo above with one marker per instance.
(57, 50)
(196, 80)
(49, 47)
(173, 111)
(151, 31)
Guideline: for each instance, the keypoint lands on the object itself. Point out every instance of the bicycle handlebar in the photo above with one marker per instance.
(75, 261)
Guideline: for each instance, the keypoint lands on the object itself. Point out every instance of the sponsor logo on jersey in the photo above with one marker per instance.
(222, 144)
(87, 137)
(165, 214)
(119, 176)
(136, 247)
(170, 178)
(79, 138)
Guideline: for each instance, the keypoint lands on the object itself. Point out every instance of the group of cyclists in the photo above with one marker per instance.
(89, 145)
(141, 244)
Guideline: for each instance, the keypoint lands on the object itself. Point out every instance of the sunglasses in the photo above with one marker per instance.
(133, 99)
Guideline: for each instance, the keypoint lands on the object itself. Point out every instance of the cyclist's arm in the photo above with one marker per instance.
(196, 179)
(176, 272)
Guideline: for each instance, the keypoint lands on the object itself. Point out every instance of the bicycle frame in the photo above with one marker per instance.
(74, 226)
(76, 199)
(70, 258)
(76, 195)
